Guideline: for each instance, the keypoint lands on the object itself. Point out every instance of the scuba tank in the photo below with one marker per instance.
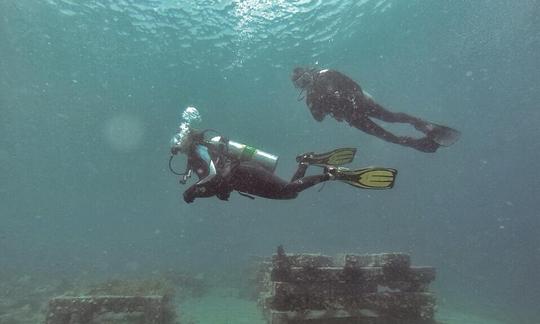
(245, 152)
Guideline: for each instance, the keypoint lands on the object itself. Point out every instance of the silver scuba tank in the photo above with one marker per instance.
(245, 152)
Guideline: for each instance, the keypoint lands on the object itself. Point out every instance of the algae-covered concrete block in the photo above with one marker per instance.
(395, 259)
(371, 289)
(309, 260)
(327, 296)
(361, 316)
(409, 279)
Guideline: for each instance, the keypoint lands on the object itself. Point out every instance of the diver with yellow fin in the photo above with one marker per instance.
(224, 166)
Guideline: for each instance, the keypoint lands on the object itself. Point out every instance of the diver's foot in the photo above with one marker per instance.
(442, 135)
(333, 172)
(426, 145)
(305, 158)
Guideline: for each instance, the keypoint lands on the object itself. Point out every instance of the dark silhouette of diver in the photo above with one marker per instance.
(329, 92)
(224, 166)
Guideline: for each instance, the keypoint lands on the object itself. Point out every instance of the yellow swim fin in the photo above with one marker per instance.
(336, 157)
(368, 178)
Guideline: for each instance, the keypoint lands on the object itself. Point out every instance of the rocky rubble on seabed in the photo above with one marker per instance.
(23, 298)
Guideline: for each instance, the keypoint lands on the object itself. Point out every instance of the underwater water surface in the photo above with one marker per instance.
(92, 91)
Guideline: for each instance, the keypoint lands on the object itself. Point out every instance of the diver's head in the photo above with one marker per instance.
(303, 78)
(182, 141)
(186, 135)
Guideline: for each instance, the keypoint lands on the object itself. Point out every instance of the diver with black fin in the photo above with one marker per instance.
(224, 166)
(329, 92)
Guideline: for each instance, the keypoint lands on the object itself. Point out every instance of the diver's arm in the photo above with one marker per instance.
(187, 174)
(315, 108)
(202, 152)
(318, 115)
(197, 191)
(202, 187)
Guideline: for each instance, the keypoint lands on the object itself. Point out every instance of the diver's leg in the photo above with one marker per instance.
(300, 172)
(295, 187)
(370, 127)
(442, 135)
(379, 112)
(423, 144)
(253, 179)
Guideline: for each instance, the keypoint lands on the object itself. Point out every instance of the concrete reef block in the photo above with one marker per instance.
(309, 260)
(80, 310)
(336, 296)
(395, 259)
(362, 316)
(256, 277)
(375, 274)
(282, 263)
(370, 289)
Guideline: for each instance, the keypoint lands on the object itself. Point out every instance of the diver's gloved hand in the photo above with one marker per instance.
(223, 195)
(193, 192)
(189, 195)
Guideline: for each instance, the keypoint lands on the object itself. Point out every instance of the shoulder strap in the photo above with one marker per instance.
(246, 195)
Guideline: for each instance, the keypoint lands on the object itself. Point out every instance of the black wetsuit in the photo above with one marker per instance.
(333, 93)
(219, 175)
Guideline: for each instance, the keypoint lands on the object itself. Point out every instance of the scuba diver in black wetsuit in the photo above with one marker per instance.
(224, 166)
(329, 92)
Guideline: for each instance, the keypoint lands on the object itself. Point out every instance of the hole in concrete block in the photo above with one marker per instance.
(384, 289)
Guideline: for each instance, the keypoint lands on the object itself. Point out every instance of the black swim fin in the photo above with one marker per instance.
(443, 135)
(336, 157)
(368, 178)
